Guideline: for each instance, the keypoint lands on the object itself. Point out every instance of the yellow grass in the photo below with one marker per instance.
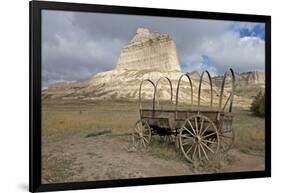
(64, 118)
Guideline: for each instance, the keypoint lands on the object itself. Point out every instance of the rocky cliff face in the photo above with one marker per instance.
(149, 50)
(149, 55)
(249, 78)
(245, 79)
(247, 86)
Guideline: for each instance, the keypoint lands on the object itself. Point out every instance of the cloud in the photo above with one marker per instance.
(230, 50)
(70, 53)
(200, 63)
(77, 45)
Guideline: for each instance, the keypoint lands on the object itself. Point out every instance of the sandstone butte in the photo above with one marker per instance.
(150, 55)
(149, 50)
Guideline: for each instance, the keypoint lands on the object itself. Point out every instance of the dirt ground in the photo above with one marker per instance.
(111, 157)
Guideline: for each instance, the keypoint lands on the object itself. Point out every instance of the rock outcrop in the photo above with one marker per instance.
(149, 50)
(250, 78)
(245, 79)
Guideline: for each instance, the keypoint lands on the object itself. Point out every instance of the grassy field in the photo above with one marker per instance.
(249, 132)
(63, 119)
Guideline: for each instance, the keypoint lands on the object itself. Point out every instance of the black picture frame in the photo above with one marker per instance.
(35, 8)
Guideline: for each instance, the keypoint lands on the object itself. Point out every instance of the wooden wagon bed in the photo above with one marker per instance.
(171, 119)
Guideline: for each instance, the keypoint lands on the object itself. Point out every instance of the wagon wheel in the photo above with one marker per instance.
(199, 138)
(141, 134)
(227, 140)
(166, 138)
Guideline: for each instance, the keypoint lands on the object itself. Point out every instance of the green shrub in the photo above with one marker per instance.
(258, 105)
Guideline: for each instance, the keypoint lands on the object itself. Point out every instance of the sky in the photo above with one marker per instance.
(77, 45)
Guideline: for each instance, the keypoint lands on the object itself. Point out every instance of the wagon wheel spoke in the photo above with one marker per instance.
(204, 152)
(191, 127)
(187, 137)
(189, 149)
(135, 135)
(146, 132)
(145, 140)
(188, 142)
(201, 126)
(208, 147)
(196, 125)
(199, 151)
(224, 136)
(210, 134)
(166, 138)
(194, 151)
(143, 143)
(222, 140)
(209, 141)
(203, 132)
(169, 138)
(189, 131)
(138, 129)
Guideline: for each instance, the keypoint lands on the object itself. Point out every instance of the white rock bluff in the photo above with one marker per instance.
(149, 55)
(149, 50)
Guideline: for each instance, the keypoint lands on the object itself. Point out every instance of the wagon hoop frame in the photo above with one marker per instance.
(171, 88)
(153, 99)
(220, 108)
(231, 95)
(199, 89)
(178, 86)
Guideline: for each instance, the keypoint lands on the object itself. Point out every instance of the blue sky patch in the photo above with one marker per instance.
(185, 66)
(257, 31)
(206, 60)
